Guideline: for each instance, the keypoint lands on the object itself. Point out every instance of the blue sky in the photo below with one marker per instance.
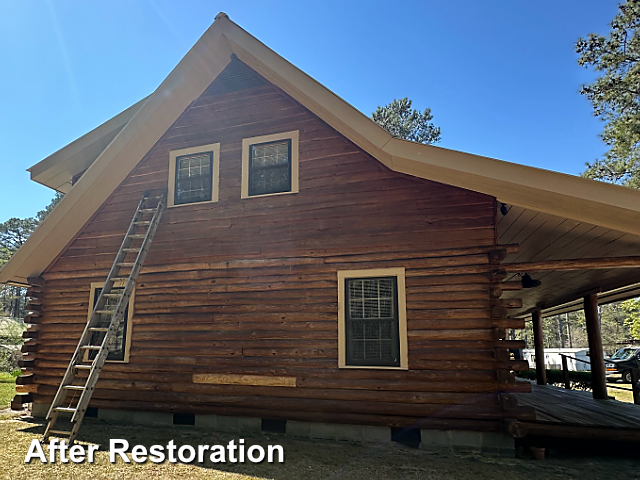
(500, 76)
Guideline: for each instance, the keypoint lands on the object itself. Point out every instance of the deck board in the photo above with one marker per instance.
(557, 409)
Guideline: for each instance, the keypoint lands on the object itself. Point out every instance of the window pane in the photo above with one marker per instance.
(371, 298)
(116, 352)
(270, 168)
(372, 323)
(193, 178)
(372, 340)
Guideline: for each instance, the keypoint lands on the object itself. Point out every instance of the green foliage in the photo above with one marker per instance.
(9, 360)
(11, 332)
(401, 121)
(632, 310)
(7, 388)
(13, 234)
(42, 214)
(10, 339)
(615, 95)
(569, 330)
(15, 231)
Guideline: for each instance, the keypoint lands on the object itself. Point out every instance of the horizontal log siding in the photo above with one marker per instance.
(250, 286)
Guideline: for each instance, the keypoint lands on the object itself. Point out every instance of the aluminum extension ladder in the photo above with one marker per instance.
(103, 324)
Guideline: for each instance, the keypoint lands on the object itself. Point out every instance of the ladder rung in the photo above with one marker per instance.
(65, 409)
(117, 287)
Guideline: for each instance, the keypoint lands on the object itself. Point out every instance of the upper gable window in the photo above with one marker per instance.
(193, 175)
(270, 164)
(270, 168)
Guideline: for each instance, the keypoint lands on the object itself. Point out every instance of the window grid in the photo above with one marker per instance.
(194, 178)
(372, 325)
(270, 168)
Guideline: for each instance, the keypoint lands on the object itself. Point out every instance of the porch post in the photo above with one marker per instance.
(538, 342)
(596, 355)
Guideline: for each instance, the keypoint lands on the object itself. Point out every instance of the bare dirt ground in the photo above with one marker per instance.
(306, 460)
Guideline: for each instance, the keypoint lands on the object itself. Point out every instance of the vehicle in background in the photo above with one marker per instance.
(553, 358)
(619, 365)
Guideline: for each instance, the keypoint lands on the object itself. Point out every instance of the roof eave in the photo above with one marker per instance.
(57, 170)
(582, 199)
(321, 101)
(183, 85)
(551, 192)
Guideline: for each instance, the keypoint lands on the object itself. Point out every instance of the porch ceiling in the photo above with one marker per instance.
(543, 236)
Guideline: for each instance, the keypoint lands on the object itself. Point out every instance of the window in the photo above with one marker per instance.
(119, 351)
(270, 168)
(193, 175)
(270, 165)
(372, 319)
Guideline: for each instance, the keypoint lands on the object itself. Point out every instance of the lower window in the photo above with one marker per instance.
(119, 351)
(372, 318)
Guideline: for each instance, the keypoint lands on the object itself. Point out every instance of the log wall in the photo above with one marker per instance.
(249, 287)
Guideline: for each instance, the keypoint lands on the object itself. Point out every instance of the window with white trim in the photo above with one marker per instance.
(372, 318)
(270, 165)
(193, 175)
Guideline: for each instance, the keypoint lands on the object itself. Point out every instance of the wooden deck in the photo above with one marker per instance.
(575, 414)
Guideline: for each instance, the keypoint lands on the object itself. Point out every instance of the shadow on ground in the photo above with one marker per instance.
(304, 459)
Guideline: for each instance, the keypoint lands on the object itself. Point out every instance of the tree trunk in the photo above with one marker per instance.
(561, 330)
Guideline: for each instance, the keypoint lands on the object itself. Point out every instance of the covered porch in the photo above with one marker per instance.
(569, 265)
(576, 414)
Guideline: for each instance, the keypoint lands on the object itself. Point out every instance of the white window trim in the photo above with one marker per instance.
(399, 273)
(295, 170)
(129, 319)
(174, 154)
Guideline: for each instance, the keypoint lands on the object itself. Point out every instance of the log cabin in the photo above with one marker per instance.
(309, 269)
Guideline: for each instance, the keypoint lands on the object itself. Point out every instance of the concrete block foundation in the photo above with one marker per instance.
(468, 441)
(450, 440)
(135, 418)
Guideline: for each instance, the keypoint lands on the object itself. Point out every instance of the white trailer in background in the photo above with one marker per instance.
(553, 359)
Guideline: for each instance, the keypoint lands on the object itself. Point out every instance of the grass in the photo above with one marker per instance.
(621, 395)
(303, 459)
(7, 389)
(555, 377)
